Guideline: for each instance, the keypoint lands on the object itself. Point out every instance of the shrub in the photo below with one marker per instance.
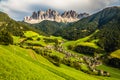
(70, 47)
(5, 38)
(84, 68)
(52, 58)
(48, 40)
(85, 49)
(29, 38)
(34, 44)
(38, 39)
(66, 62)
(115, 62)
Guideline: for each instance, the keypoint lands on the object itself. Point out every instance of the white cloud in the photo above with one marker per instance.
(13, 6)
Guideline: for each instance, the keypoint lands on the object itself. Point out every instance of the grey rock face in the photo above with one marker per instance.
(67, 16)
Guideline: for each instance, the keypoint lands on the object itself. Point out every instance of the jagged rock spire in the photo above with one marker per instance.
(67, 16)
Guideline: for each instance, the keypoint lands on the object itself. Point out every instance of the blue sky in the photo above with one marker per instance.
(17, 9)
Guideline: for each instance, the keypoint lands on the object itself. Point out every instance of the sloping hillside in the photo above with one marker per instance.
(49, 27)
(107, 21)
(14, 27)
(18, 63)
(88, 25)
(24, 63)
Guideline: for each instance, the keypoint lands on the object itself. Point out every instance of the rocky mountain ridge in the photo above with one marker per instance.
(52, 15)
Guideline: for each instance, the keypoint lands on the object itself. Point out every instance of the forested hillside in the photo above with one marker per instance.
(88, 25)
(14, 27)
(50, 27)
(107, 21)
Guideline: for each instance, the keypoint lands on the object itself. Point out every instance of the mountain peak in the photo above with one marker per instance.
(53, 15)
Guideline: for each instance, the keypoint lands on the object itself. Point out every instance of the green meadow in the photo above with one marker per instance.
(17, 63)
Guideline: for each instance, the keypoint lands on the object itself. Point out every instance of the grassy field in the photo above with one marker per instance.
(17, 39)
(30, 34)
(90, 44)
(115, 54)
(35, 36)
(82, 42)
(17, 63)
(115, 73)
